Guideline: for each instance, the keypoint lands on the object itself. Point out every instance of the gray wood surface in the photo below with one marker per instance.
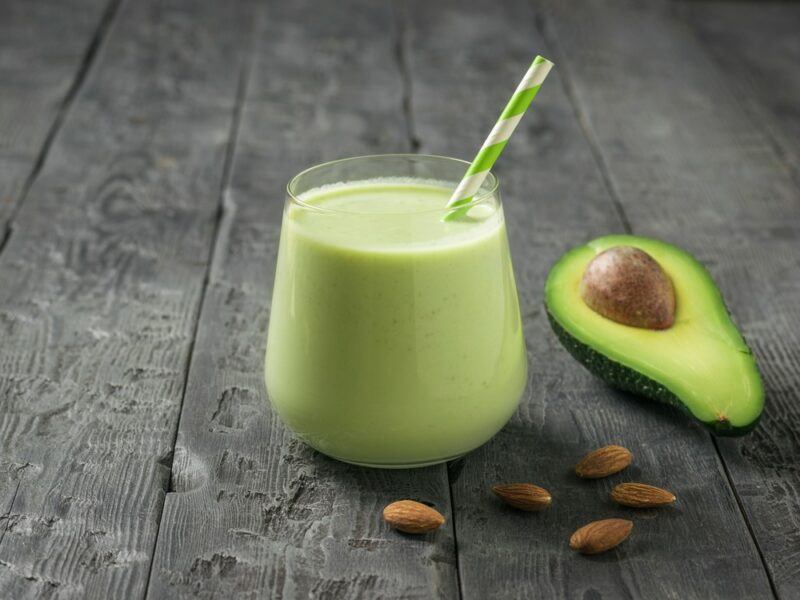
(151, 142)
(554, 196)
(40, 68)
(101, 285)
(691, 164)
(45, 48)
(254, 512)
(758, 46)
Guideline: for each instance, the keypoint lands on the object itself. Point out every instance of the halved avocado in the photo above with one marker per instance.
(700, 364)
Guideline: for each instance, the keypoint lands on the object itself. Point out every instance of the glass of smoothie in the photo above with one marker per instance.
(395, 337)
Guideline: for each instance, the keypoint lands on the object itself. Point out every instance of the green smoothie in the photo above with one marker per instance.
(395, 337)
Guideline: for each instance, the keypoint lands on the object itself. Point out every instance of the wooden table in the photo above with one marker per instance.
(144, 146)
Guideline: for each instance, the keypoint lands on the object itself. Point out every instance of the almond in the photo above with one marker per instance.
(412, 517)
(524, 496)
(641, 495)
(603, 462)
(600, 536)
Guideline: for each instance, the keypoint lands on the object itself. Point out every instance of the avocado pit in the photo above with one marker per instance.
(628, 286)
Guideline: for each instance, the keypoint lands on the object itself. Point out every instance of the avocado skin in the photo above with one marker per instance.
(621, 377)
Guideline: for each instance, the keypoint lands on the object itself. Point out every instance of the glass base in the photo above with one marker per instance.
(414, 465)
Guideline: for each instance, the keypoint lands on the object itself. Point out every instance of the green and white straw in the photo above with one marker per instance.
(493, 146)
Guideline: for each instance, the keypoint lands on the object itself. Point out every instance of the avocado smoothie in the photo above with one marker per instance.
(395, 337)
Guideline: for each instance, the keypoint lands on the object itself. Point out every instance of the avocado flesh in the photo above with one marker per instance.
(701, 363)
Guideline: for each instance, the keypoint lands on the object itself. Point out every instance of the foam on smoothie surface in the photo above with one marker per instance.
(396, 214)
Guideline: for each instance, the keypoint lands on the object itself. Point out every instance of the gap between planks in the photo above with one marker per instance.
(7, 516)
(86, 63)
(597, 153)
(752, 104)
(747, 523)
(400, 15)
(402, 29)
(233, 136)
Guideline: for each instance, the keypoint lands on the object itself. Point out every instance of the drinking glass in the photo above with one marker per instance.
(395, 337)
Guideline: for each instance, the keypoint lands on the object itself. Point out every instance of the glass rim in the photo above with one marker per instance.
(491, 178)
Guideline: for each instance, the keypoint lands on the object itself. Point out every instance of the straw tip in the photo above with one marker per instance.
(541, 60)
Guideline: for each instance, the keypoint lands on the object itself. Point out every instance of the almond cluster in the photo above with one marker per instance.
(410, 516)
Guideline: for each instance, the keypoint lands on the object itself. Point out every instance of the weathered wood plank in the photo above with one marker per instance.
(555, 197)
(37, 71)
(44, 49)
(40, 66)
(254, 512)
(758, 46)
(101, 285)
(691, 163)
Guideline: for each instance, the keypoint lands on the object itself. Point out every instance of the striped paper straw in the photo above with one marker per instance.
(493, 146)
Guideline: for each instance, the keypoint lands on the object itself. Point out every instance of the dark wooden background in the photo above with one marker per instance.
(144, 146)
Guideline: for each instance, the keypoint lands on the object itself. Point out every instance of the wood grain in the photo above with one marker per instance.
(101, 286)
(39, 69)
(693, 164)
(556, 197)
(254, 512)
(757, 44)
(678, 122)
(45, 48)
